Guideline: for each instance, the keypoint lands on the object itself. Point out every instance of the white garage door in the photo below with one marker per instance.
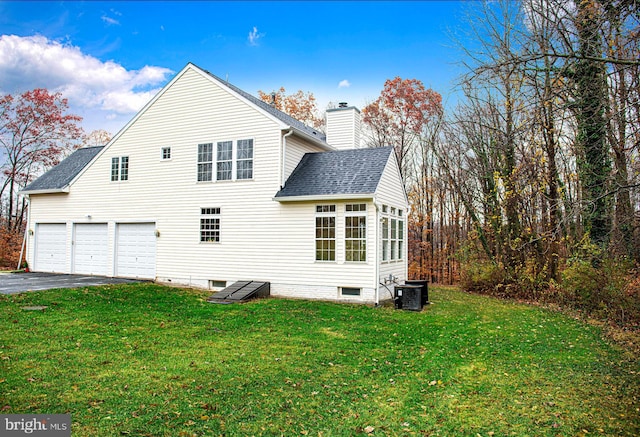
(91, 249)
(136, 250)
(51, 248)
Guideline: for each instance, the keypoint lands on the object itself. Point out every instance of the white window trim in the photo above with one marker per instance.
(234, 161)
(213, 150)
(366, 231)
(119, 172)
(202, 216)
(399, 216)
(162, 149)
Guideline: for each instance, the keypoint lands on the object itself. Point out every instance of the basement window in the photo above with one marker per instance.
(214, 283)
(349, 291)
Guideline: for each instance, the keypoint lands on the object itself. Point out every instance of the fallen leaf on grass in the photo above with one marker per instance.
(369, 429)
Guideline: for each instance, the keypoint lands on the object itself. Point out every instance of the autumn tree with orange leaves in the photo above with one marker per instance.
(406, 116)
(398, 118)
(299, 105)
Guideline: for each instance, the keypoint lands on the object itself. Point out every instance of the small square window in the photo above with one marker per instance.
(166, 153)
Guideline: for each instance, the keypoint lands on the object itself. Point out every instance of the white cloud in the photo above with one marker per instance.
(344, 84)
(110, 21)
(254, 36)
(89, 83)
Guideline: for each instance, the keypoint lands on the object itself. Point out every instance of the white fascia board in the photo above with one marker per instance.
(325, 197)
(316, 141)
(47, 191)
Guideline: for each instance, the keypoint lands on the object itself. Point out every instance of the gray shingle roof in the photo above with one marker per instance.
(349, 172)
(285, 118)
(62, 174)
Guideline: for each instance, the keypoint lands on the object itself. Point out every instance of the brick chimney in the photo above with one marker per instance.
(343, 127)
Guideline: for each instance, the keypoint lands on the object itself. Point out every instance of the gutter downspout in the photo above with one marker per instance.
(284, 157)
(377, 240)
(26, 231)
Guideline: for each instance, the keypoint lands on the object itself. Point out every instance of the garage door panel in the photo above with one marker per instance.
(136, 250)
(91, 249)
(51, 248)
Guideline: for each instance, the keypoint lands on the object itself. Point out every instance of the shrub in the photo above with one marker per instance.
(482, 277)
(605, 290)
(10, 246)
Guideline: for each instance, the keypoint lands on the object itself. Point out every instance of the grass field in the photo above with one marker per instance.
(148, 360)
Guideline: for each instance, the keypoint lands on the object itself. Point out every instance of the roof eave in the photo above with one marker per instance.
(325, 197)
(46, 191)
(317, 141)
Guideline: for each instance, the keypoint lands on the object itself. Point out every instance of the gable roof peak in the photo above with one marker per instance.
(284, 118)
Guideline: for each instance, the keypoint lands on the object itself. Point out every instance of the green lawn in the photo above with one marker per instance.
(149, 360)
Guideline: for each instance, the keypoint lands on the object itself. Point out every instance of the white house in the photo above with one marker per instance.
(208, 185)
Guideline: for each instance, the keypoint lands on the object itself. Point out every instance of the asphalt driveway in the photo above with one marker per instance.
(12, 283)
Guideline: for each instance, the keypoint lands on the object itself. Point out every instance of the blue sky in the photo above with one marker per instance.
(109, 58)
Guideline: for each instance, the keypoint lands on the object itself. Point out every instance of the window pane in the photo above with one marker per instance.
(245, 169)
(124, 168)
(205, 172)
(245, 149)
(205, 152)
(225, 149)
(115, 166)
(224, 171)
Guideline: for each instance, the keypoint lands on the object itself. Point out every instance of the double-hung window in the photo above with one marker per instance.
(325, 233)
(120, 168)
(355, 232)
(224, 161)
(392, 227)
(244, 159)
(385, 238)
(209, 225)
(205, 162)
